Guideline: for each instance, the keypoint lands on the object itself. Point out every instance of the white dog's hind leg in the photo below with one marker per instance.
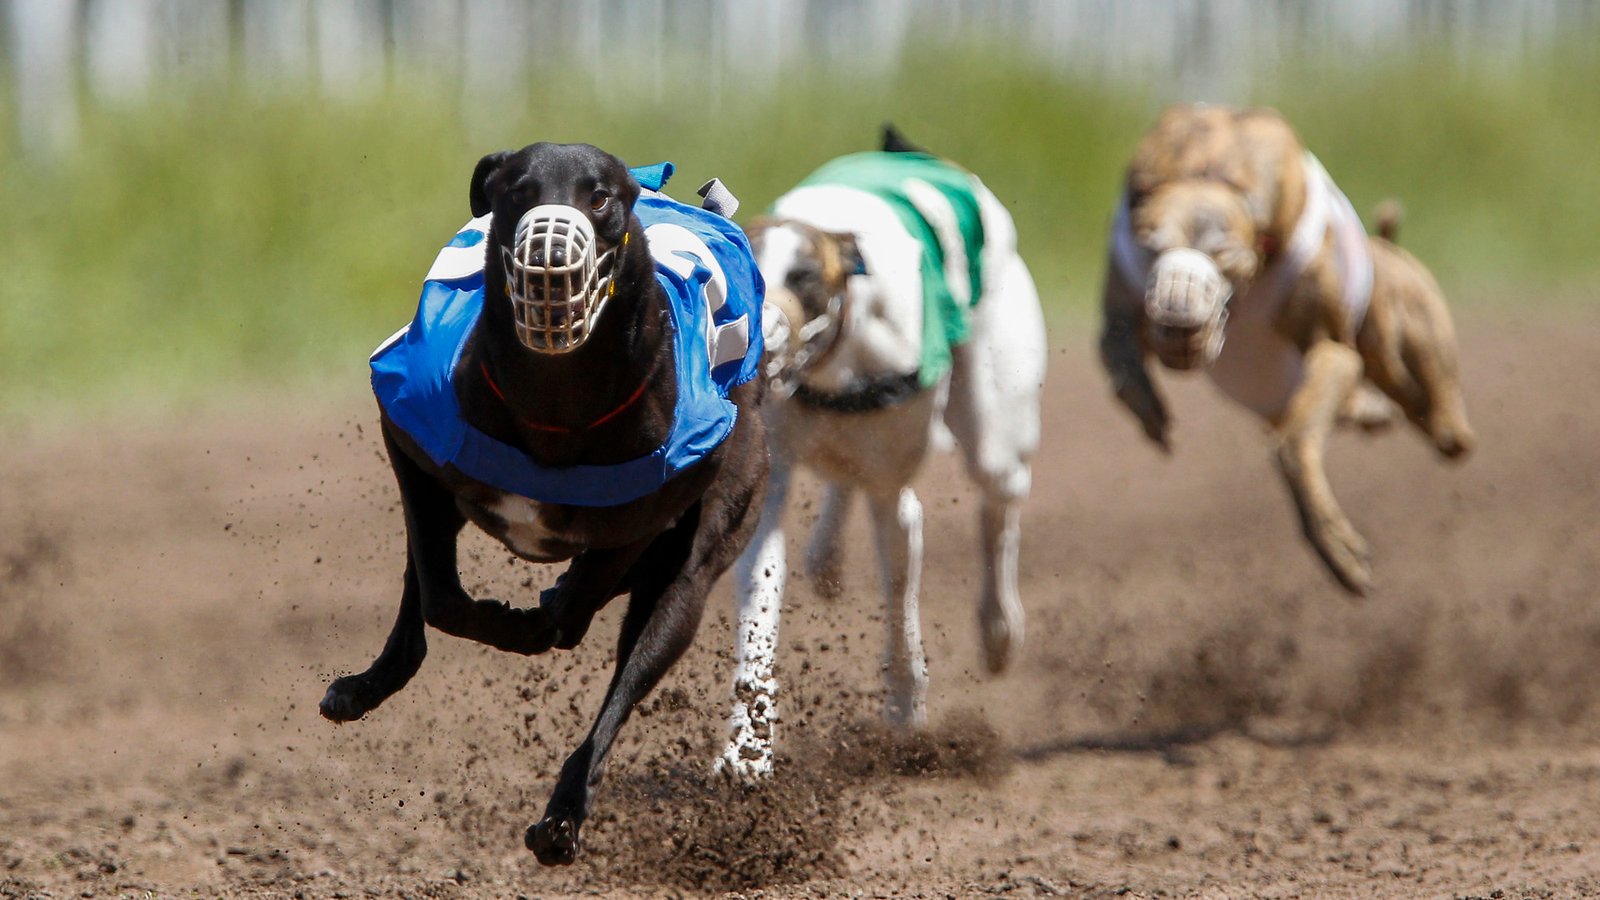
(824, 560)
(1000, 614)
(758, 579)
(897, 522)
(994, 415)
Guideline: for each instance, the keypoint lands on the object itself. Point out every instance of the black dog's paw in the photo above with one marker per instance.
(349, 698)
(554, 841)
(571, 627)
(571, 636)
(535, 632)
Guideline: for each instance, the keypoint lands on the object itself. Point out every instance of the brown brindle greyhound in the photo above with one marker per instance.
(582, 388)
(1233, 251)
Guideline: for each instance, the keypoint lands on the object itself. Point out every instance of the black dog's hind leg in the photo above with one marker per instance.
(433, 594)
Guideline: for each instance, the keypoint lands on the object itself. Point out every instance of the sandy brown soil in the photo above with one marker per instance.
(1199, 710)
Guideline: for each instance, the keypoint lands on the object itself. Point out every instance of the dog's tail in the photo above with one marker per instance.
(1386, 220)
(895, 142)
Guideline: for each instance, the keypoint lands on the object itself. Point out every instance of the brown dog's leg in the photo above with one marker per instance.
(824, 555)
(1430, 353)
(1369, 409)
(1332, 372)
(1409, 344)
(1124, 359)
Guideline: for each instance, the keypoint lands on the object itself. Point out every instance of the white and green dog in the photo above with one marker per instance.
(896, 308)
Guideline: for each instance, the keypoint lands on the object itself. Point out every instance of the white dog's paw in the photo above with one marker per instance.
(997, 645)
(826, 580)
(1000, 624)
(825, 568)
(748, 763)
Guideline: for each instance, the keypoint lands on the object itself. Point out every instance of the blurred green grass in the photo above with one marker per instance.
(222, 238)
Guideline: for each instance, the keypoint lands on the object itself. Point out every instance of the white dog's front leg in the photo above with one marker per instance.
(824, 559)
(759, 579)
(897, 521)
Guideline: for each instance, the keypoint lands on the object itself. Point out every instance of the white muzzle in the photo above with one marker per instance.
(795, 344)
(1186, 305)
(557, 282)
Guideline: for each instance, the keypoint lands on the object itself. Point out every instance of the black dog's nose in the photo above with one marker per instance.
(555, 258)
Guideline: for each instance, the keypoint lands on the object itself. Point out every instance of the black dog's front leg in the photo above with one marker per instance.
(670, 582)
(432, 595)
(433, 523)
(353, 696)
(594, 578)
(663, 615)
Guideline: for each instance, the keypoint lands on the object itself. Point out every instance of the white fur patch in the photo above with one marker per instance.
(526, 533)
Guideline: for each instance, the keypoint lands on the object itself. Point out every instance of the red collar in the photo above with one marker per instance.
(528, 423)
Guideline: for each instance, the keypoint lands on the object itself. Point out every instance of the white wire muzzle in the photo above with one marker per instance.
(1186, 305)
(555, 279)
(792, 350)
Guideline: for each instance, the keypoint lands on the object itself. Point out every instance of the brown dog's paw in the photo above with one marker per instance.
(1454, 442)
(554, 840)
(1345, 552)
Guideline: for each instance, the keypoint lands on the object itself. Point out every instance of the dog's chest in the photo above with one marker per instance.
(529, 528)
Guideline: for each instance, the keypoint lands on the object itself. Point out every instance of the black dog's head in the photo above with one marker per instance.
(564, 242)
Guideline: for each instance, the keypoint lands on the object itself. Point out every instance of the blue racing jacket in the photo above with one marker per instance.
(714, 291)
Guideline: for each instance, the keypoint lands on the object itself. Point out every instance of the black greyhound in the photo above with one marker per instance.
(572, 391)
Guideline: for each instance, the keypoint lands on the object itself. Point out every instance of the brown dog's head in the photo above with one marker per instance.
(558, 245)
(807, 272)
(1204, 244)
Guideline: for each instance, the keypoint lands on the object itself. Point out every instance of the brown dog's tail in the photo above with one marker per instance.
(1386, 220)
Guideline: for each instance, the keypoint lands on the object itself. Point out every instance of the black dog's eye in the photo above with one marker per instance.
(598, 200)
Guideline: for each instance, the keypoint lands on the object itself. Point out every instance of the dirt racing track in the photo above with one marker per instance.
(1199, 710)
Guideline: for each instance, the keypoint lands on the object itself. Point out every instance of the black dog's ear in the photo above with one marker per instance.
(630, 186)
(478, 196)
(895, 142)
